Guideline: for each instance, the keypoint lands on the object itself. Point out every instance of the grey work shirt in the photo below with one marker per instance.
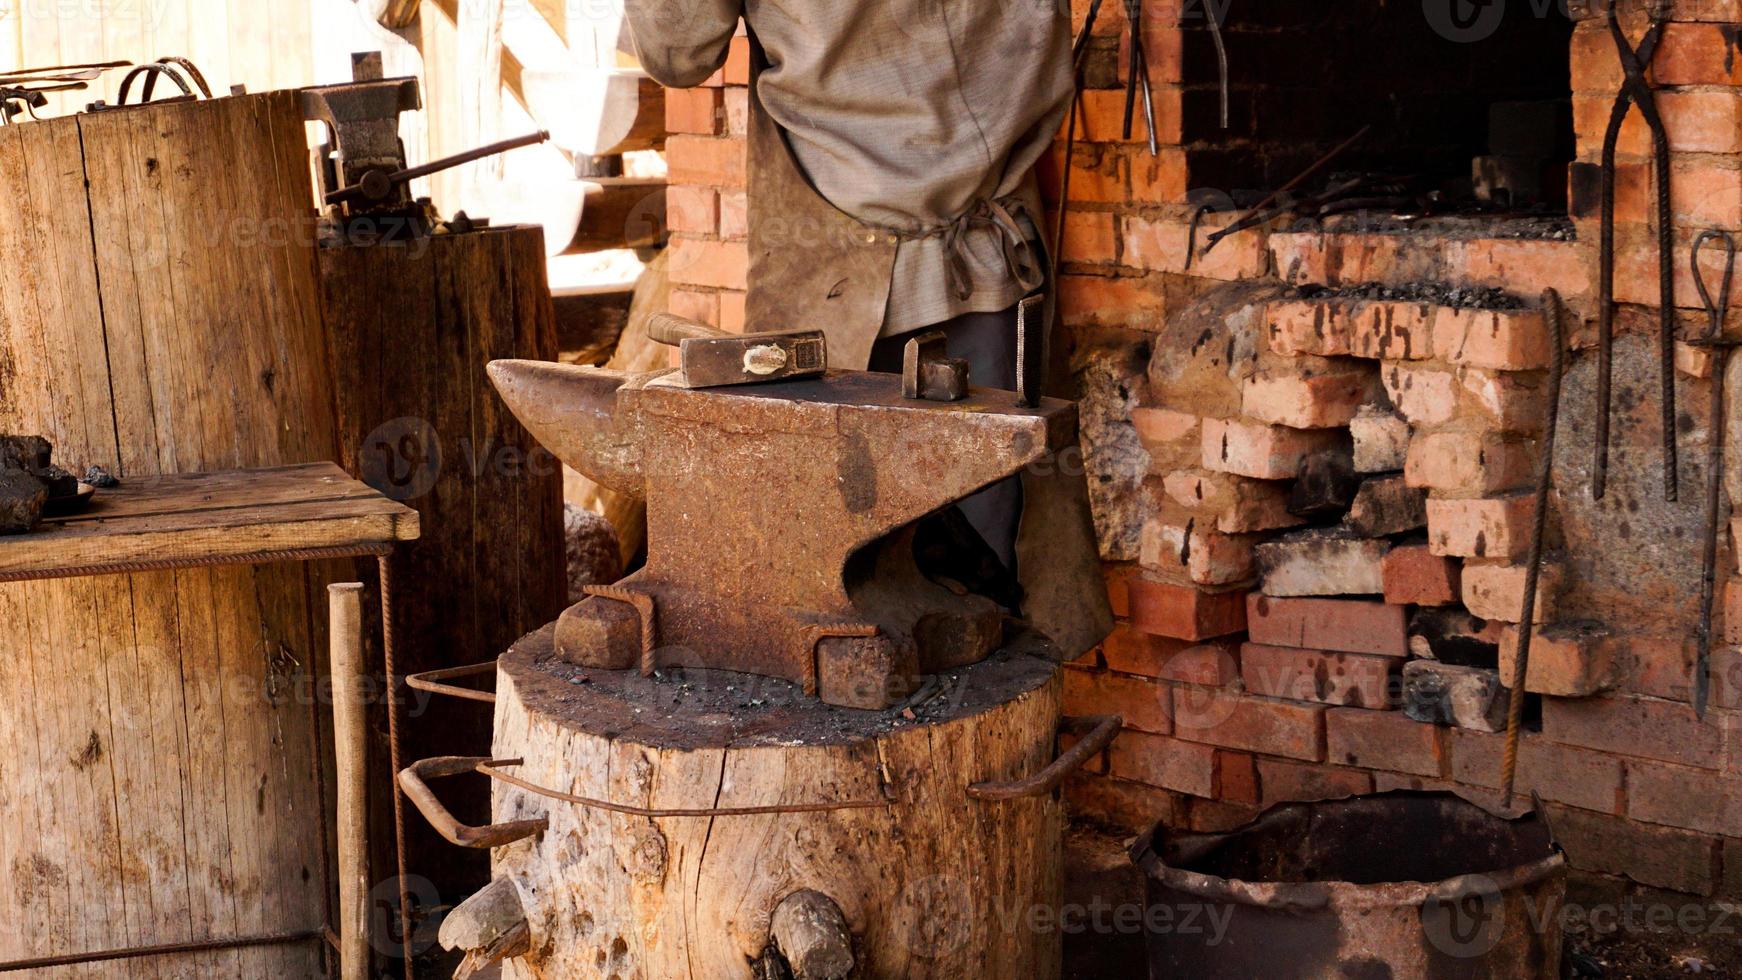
(919, 117)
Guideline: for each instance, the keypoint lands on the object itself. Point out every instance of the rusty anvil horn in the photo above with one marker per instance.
(573, 412)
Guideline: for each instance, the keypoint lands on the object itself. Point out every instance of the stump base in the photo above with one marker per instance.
(873, 814)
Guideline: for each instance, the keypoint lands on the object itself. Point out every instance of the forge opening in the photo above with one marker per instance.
(1469, 104)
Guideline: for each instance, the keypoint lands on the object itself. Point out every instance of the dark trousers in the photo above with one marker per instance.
(988, 342)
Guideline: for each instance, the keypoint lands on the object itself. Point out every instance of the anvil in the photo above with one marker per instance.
(780, 517)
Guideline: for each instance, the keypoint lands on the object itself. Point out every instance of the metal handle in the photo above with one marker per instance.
(671, 329)
(411, 781)
(1097, 733)
(375, 185)
(428, 681)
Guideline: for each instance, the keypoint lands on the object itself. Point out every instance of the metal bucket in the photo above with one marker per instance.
(1385, 887)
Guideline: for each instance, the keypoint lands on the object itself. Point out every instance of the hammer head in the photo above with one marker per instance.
(712, 357)
(752, 358)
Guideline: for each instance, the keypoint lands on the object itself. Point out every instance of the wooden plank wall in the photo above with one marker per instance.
(419, 419)
(258, 43)
(158, 782)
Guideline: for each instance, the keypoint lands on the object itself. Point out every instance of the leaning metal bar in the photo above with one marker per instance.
(384, 564)
(1719, 350)
(1552, 313)
(489, 769)
(165, 949)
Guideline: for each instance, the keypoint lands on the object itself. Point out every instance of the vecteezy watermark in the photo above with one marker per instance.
(1470, 916)
(403, 458)
(386, 930)
(142, 13)
(1470, 21)
(1466, 919)
(938, 912)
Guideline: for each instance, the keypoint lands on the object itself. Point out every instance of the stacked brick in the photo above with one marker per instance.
(1335, 513)
(1281, 639)
(706, 205)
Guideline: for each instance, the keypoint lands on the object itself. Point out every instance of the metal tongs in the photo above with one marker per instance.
(1137, 70)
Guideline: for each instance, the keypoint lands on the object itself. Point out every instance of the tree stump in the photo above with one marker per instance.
(931, 882)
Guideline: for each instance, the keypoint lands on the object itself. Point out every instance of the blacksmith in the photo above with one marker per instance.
(892, 190)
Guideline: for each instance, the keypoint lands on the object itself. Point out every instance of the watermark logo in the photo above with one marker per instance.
(386, 930)
(1203, 707)
(938, 909)
(1464, 21)
(401, 458)
(1465, 921)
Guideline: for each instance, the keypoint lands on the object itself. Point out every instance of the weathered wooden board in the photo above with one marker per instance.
(229, 517)
(412, 328)
(159, 313)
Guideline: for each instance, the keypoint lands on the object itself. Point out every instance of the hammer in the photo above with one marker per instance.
(711, 357)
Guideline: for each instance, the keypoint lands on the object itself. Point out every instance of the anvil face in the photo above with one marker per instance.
(757, 496)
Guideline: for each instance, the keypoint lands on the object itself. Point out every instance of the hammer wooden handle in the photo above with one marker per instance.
(670, 329)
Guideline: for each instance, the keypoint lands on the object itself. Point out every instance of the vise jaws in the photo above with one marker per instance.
(781, 520)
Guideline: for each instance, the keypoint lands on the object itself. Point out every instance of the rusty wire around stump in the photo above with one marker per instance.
(163, 949)
(489, 769)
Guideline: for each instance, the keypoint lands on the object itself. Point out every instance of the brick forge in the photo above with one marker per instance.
(1384, 380)
(1311, 454)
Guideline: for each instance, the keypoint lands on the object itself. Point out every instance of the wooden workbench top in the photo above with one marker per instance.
(275, 513)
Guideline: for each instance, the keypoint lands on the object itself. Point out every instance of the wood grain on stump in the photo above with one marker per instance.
(931, 883)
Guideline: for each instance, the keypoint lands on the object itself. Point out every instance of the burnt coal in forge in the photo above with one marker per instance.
(1468, 103)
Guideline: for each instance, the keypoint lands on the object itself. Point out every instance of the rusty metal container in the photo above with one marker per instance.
(1393, 886)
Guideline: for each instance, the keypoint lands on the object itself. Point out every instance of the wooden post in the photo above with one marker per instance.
(411, 327)
(350, 751)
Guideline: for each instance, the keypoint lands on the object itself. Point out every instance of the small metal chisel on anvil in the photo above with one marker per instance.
(780, 519)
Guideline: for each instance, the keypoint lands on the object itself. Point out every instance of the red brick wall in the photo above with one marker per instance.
(705, 201)
(1223, 688)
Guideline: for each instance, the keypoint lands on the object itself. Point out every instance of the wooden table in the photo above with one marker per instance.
(281, 513)
(185, 520)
